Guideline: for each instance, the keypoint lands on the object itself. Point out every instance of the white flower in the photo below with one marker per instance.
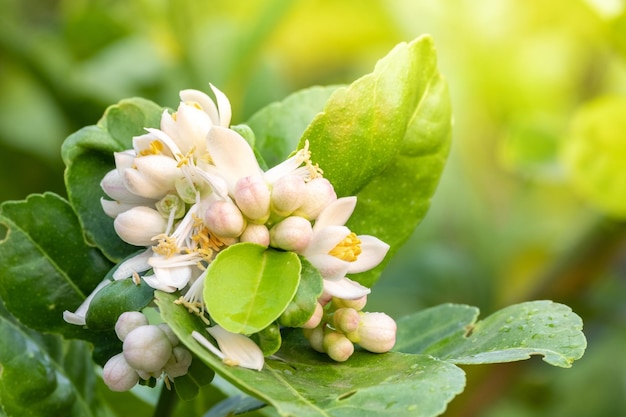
(234, 349)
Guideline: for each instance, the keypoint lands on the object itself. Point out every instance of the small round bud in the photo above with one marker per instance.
(253, 198)
(319, 193)
(376, 332)
(224, 219)
(139, 225)
(256, 233)
(169, 203)
(337, 346)
(287, 194)
(179, 362)
(316, 318)
(129, 321)
(147, 348)
(346, 320)
(357, 304)
(169, 333)
(293, 233)
(315, 337)
(118, 375)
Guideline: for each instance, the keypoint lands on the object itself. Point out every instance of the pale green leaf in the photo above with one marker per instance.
(451, 333)
(248, 286)
(300, 382)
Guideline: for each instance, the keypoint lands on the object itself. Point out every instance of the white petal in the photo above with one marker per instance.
(113, 186)
(176, 277)
(345, 288)
(237, 349)
(115, 208)
(78, 317)
(139, 225)
(325, 239)
(329, 266)
(136, 264)
(336, 213)
(373, 253)
(204, 101)
(154, 282)
(223, 105)
(232, 155)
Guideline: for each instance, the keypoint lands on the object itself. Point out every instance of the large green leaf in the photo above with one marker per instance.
(46, 265)
(279, 126)
(301, 382)
(88, 156)
(450, 332)
(385, 138)
(248, 286)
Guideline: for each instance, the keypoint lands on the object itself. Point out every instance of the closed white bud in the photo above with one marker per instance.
(147, 348)
(152, 176)
(256, 233)
(114, 187)
(179, 362)
(318, 193)
(224, 219)
(129, 321)
(287, 194)
(293, 233)
(315, 337)
(346, 320)
(376, 332)
(118, 375)
(253, 198)
(139, 225)
(337, 346)
(169, 333)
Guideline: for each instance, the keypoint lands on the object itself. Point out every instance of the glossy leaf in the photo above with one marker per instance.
(301, 382)
(385, 139)
(88, 156)
(46, 265)
(248, 286)
(279, 126)
(303, 305)
(450, 332)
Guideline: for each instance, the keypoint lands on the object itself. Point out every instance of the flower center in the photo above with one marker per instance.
(348, 249)
(155, 148)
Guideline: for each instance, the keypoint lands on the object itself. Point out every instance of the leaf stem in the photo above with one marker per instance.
(167, 402)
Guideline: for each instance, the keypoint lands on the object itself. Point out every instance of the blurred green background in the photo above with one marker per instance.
(507, 224)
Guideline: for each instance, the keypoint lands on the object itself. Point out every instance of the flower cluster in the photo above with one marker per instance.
(194, 187)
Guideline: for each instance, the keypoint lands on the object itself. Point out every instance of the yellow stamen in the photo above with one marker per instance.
(166, 247)
(195, 308)
(155, 149)
(185, 159)
(348, 249)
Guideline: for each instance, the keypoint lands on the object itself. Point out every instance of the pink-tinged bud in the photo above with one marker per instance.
(147, 348)
(169, 333)
(315, 337)
(287, 194)
(319, 193)
(256, 233)
(129, 321)
(224, 219)
(316, 318)
(376, 332)
(253, 198)
(293, 233)
(139, 225)
(118, 375)
(179, 362)
(346, 320)
(337, 346)
(357, 304)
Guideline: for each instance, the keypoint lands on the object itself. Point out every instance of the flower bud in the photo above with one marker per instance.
(169, 333)
(153, 176)
(118, 375)
(315, 337)
(179, 362)
(253, 198)
(287, 194)
(129, 321)
(337, 346)
(376, 332)
(293, 233)
(224, 219)
(139, 225)
(357, 304)
(147, 348)
(316, 318)
(113, 186)
(346, 320)
(319, 193)
(169, 203)
(256, 233)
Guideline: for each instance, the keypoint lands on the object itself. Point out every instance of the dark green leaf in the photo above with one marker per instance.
(302, 307)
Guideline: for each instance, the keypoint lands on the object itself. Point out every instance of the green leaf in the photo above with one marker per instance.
(385, 139)
(595, 151)
(88, 156)
(279, 126)
(248, 286)
(46, 265)
(303, 305)
(301, 382)
(451, 333)
(116, 298)
(33, 384)
(268, 339)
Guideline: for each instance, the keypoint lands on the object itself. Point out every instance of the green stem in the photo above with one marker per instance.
(167, 402)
